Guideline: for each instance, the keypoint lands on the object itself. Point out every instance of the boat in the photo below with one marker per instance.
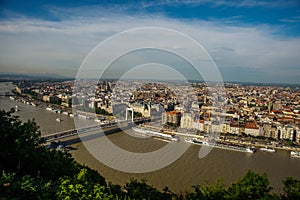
(49, 108)
(83, 116)
(221, 146)
(231, 147)
(267, 149)
(155, 134)
(58, 119)
(189, 140)
(193, 141)
(56, 111)
(295, 154)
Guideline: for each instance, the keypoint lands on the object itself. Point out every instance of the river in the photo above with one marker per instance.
(185, 172)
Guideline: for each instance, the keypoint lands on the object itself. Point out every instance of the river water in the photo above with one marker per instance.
(185, 172)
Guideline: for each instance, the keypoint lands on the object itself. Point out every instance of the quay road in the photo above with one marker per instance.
(231, 140)
(176, 133)
(260, 144)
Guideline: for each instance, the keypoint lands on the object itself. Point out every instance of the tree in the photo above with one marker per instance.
(102, 112)
(17, 142)
(207, 191)
(22, 149)
(82, 186)
(141, 190)
(26, 187)
(137, 114)
(251, 186)
(291, 188)
(30, 170)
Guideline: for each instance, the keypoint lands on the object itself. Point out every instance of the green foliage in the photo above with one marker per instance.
(22, 150)
(251, 186)
(82, 186)
(102, 112)
(141, 190)
(137, 114)
(99, 111)
(18, 141)
(33, 95)
(26, 187)
(171, 124)
(207, 191)
(291, 189)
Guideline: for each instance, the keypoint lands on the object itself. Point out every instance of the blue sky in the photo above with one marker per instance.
(249, 40)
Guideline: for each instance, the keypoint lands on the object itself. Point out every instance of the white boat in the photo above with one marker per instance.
(49, 108)
(58, 119)
(231, 147)
(83, 116)
(156, 134)
(267, 149)
(221, 146)
(193, 141)
(189, 140)
(56, 111)
(295, 154)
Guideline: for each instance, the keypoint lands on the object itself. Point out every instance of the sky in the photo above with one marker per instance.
(248, 40)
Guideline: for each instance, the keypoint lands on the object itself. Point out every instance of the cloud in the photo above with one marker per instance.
(60, 46)
(295, 19)
(225, 3)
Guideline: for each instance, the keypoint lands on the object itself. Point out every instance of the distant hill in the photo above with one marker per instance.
(40, 77)
(264, 84)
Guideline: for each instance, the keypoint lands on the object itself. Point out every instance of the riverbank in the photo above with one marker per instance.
(237, 141)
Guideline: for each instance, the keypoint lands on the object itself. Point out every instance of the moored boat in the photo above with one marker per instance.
(49, 108)
(58, 119)
(295, 154)
(268, 149)
(193, 141)
(221, 146)
(155, 134)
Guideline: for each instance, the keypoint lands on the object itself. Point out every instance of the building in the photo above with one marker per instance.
(198, 124)
(216, 127)
(171, 118)
(186, 121)
(251, 128)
